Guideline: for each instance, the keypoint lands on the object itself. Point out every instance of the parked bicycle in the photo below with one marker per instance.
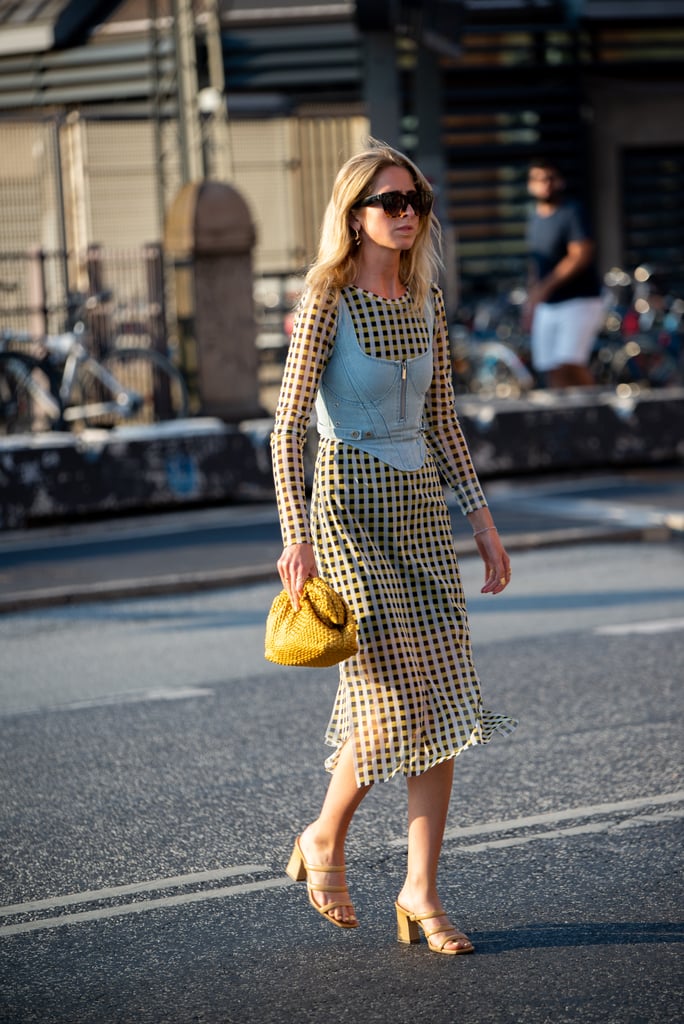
(487, 368)
(489, 350)
(641, 344)
(59, 384)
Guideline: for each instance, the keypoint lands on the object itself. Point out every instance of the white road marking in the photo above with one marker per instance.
(115, 699)
(586, 811)
(114, 891)
(561, 833)
(656, 626)
(606, 810)
(646, 819)
(139, 696)
(143, 906)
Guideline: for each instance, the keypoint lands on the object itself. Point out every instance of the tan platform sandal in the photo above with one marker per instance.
(408, 925)
(299, 871)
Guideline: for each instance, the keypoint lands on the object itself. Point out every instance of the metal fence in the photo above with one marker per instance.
(68, 181)
(125, 299)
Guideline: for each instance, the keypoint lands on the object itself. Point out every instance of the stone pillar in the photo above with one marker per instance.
(209, 236)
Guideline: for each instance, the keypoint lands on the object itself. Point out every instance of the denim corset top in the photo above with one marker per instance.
(375, 404)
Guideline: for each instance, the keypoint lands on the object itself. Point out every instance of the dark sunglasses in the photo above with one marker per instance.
(396, 203)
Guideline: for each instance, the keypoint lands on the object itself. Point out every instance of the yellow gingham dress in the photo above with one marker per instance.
(410, 698)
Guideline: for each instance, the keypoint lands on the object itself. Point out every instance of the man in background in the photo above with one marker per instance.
(564, 308)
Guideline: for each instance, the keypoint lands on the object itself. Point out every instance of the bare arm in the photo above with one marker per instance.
(578, 256)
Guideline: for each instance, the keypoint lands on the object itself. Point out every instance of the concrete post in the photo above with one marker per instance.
(210, 236)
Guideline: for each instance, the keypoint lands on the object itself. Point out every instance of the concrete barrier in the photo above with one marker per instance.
(582, 429)
(57, 476)
(50, 477)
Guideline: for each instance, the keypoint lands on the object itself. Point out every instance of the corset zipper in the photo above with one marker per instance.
(402, 393)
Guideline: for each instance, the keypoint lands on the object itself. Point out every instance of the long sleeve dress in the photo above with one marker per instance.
(410, 698)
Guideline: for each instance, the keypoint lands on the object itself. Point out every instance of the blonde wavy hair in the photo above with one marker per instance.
(336, 263)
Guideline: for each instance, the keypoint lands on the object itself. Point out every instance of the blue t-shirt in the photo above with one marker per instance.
(547, 243)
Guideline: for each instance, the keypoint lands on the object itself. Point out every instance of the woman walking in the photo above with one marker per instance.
(370, 350)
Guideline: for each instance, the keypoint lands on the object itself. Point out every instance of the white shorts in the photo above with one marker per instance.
(564, 332)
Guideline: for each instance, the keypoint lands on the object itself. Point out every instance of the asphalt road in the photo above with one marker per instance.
(156, 770)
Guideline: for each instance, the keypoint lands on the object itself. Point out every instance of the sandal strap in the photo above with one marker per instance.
(425, 917)
(451, 934)
(332, 868)
(456, 937)
(327, 907)
(324, 908)
(326, 888)
(449, 931)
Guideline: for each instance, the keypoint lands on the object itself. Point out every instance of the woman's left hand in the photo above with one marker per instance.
(497, 563)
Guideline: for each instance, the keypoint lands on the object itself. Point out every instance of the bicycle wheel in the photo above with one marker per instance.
(28, 399)
(643, 361)
(498, 372)
(154, 388)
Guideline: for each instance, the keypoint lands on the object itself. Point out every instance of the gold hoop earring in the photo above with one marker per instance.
(357, 237)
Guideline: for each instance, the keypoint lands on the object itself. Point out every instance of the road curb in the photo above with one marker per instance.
(194, 582)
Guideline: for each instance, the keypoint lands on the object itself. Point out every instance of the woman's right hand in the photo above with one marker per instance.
(295, 566)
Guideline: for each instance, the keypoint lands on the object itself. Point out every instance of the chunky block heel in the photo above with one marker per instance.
(407, 929)
(296, 867)
(408, 925)
(298, 870)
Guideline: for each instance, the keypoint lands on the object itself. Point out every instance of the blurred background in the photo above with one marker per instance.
(112, 111)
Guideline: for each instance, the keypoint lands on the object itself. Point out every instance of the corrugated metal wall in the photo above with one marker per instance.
(72, 183)
(515, 89)
(32, 216)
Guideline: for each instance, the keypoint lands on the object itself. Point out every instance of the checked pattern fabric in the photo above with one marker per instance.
(410, 697)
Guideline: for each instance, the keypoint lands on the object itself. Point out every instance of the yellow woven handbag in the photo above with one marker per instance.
(321, 633)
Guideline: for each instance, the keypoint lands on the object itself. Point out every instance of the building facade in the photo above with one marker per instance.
(107, 108)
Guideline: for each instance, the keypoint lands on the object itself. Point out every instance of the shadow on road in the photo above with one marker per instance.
(553, 936)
